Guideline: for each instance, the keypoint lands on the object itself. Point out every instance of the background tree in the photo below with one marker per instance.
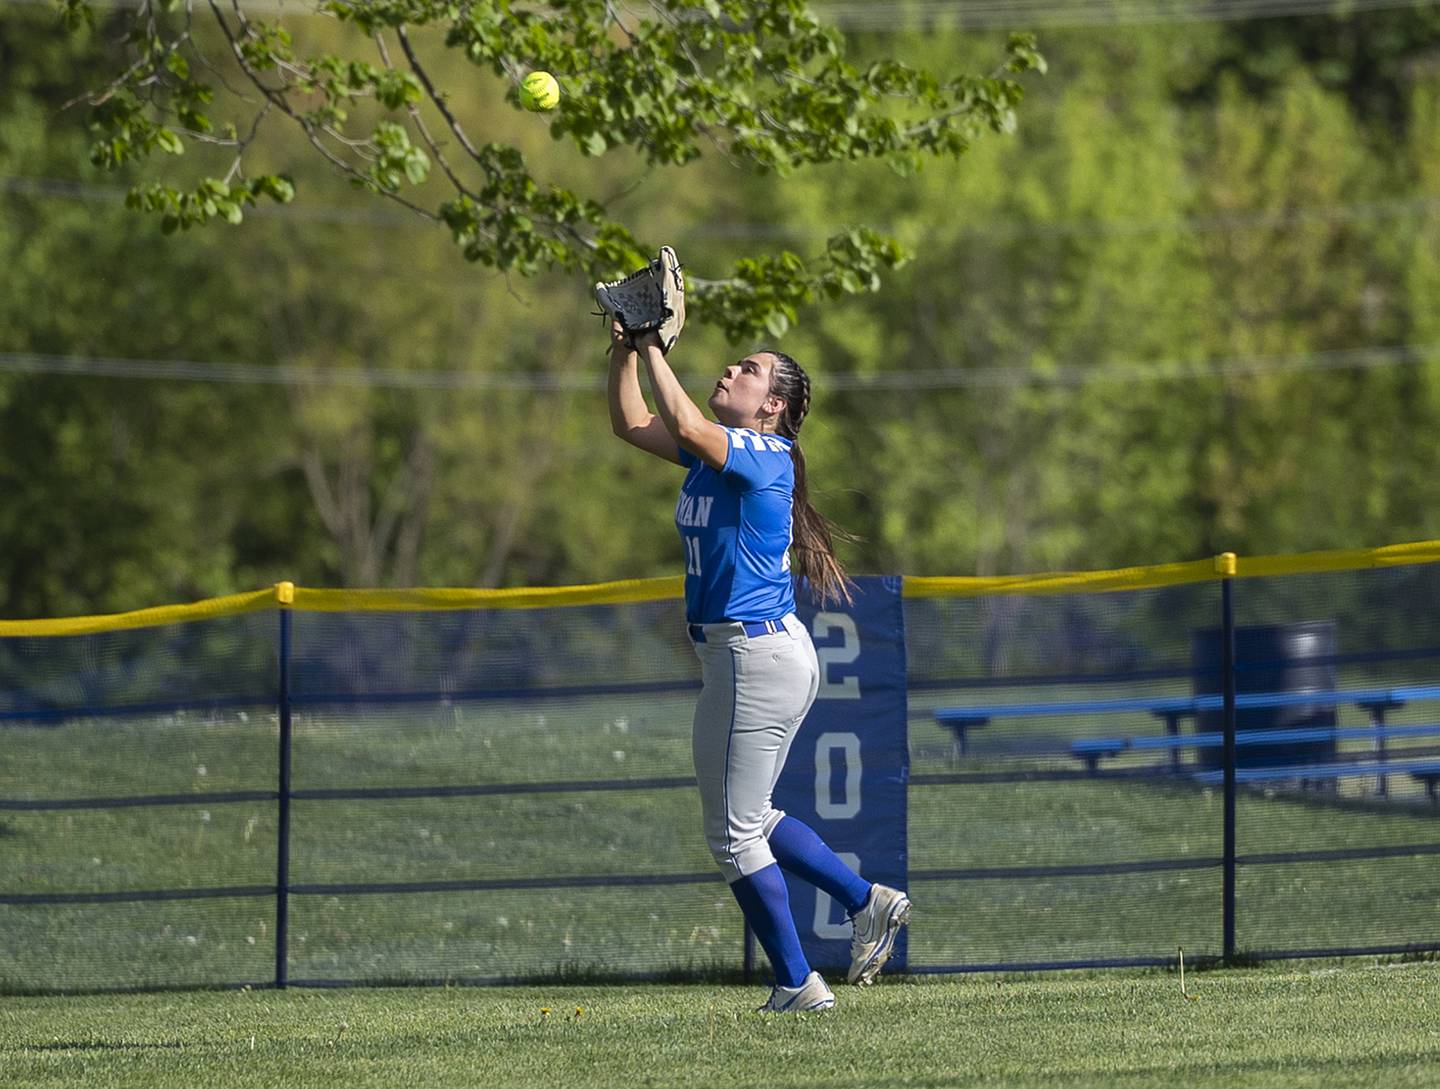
(1183, 309)
(764, 85)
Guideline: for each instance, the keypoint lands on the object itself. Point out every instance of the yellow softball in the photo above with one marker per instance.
(539, 91)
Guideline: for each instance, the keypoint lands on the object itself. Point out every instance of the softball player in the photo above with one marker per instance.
(741, 508)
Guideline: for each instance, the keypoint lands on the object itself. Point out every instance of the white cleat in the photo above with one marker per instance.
(809, 997)
(876, 926)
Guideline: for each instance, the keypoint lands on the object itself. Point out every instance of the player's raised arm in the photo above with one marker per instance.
(630, 418)
(683, 420)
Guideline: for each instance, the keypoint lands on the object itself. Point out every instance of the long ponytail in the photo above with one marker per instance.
(812, 534)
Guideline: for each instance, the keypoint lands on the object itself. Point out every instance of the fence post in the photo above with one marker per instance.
(1225, 565)
(748, 961)
(284, 596)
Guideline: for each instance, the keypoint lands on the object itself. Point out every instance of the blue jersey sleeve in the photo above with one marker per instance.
(755, 461)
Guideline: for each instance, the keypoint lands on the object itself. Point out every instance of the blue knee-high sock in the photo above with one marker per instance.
(765, 901)
(800, 851)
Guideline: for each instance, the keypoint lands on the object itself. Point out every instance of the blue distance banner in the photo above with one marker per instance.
(847, 770)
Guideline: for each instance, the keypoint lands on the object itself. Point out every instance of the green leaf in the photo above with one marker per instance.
(76, 13)
(417, 167)
(168, 141)
(277, 187)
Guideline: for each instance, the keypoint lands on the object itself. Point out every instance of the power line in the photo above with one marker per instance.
(1036, 14)
(1072, 376)
(1219, 223)
(1264, 219)
(988, 14)
(115, 194)
(256, 374)
(943, 378)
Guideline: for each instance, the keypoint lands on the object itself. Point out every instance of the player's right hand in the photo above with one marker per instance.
(618, 341)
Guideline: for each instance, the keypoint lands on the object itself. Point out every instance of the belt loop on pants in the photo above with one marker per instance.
(751, 628)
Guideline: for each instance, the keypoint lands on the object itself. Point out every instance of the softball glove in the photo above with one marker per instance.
(650, 299)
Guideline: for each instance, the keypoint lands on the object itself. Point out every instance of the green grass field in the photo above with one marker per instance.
(1320, 1023)
(1381, 902)
(1314, 1024)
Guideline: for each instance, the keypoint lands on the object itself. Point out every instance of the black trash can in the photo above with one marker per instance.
(1292, 658)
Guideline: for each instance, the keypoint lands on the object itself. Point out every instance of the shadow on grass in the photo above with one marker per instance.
(562, 976)
(91, 1045)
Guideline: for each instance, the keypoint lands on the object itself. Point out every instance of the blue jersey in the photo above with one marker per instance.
(735, 526)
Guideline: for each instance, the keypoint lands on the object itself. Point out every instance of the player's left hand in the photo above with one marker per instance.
(649, 336)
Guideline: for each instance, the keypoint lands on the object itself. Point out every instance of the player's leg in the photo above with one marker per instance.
(800, 850)
(877, 912)
(765, 902)
(796, 846)
(742, 730)
(729, 746)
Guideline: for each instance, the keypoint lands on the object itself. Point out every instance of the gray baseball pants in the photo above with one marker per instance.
(757, 690)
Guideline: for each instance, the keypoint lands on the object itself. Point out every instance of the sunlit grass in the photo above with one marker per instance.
(1319, 1025)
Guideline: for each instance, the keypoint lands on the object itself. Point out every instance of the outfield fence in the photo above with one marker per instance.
(301, 787)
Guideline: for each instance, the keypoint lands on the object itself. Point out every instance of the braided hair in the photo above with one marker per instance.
(812, 534)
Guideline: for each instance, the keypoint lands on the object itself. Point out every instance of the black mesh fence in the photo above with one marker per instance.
(138, 798)
(417, 797)
(1024, 850)
(496, 794)
(472, 795)
(1337, 838)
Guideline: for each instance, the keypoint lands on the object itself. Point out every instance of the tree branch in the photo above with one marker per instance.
(421, 127)
(240, 155)
(435, 96)
(278, 100)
